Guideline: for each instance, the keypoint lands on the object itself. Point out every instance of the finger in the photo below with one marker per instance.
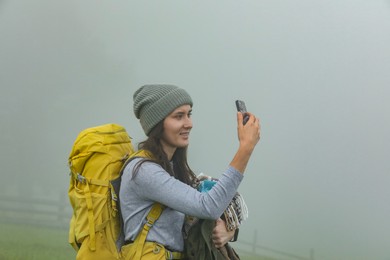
(215, 233)
(252, 118)
(218, 221)
(216, 236)
(257, 120)
(217, 243)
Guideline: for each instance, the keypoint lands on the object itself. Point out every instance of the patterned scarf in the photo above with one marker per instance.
(235, 213)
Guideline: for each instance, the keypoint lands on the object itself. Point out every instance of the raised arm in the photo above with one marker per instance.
(248, 136)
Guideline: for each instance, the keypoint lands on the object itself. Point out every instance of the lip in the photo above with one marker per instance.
(185, 134)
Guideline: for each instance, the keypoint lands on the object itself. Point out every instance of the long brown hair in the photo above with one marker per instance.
(181, 170)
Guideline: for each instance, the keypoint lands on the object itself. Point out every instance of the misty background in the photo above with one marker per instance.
(316, 72)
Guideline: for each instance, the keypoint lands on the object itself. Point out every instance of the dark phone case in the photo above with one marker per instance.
(241, 107)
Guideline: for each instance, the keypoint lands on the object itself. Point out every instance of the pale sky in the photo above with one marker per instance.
(315, 72)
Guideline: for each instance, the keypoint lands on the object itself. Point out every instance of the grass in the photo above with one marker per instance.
(24, 242)
(27, 242)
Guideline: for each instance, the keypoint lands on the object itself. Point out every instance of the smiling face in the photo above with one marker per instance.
(177, 127)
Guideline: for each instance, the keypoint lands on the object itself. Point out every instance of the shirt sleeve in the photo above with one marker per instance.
(154, 183)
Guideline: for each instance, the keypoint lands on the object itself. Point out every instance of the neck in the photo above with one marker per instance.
(169, 151)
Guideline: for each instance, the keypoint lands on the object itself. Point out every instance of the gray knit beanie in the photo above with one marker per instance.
(152, 103)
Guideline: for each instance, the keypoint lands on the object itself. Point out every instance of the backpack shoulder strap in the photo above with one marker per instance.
(153, 215)
(137, 154)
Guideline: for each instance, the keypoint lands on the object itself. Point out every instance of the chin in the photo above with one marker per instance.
(183, 145)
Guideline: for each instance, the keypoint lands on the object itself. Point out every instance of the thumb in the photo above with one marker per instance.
(240, 118)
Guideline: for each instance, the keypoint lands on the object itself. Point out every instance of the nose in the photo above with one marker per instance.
(188, 122)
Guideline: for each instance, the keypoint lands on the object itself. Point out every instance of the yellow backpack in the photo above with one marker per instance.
(95, 162)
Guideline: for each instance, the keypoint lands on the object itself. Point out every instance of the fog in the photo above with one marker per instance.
(315, 72)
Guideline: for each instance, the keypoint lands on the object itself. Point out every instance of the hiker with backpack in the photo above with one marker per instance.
(157, 193)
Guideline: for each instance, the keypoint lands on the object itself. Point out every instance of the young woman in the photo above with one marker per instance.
(164, 176)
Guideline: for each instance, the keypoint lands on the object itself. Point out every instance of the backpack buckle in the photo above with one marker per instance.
(150, 223)
(80, 178)
(156, 250)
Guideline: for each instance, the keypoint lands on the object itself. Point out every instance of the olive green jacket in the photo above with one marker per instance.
(198, 244)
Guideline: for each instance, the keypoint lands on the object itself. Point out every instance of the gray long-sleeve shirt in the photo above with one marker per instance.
(153, 184)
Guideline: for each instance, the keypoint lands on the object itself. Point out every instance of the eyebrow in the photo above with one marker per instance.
(182, 112)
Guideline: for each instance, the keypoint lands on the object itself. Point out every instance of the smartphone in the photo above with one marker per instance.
(242, 108)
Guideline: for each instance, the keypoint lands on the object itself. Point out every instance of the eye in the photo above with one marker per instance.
(179, 116)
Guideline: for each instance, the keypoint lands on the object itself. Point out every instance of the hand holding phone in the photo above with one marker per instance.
(242, 108)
